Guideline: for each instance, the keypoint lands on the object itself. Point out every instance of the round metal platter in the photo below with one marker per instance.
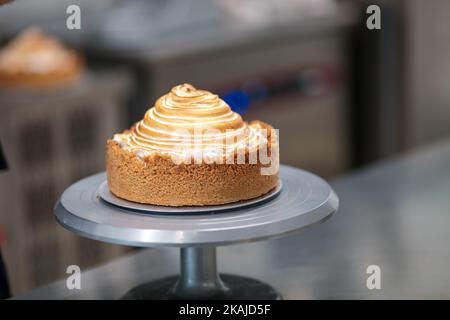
(304, 199)
(106, 195)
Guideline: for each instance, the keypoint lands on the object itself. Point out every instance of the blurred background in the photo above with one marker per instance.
(341, 95)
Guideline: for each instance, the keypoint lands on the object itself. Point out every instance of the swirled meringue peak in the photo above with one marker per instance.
(187, 121)
(34, 52)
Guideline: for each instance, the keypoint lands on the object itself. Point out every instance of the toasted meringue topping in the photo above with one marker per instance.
(33, 52)
(187, 120)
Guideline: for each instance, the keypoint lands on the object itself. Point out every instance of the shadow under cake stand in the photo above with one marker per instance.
(302, 199)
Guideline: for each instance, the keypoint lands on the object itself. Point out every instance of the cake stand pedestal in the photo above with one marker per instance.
(303, 199)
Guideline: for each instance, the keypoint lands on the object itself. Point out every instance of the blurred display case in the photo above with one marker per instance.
(52, 138)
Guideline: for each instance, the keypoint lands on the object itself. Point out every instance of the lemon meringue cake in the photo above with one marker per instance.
(191, 149)
(35, 59)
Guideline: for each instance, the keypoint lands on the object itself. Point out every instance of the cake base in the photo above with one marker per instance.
(158, 180)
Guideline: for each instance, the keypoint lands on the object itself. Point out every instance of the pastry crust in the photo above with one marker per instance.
(158, 180)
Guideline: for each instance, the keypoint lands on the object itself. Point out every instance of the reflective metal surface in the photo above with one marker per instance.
(106, 195)
(395, 215)
(305, 199)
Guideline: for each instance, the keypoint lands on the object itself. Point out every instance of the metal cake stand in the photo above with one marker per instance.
(89, 209)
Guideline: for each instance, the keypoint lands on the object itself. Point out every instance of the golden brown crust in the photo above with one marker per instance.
(158, 180)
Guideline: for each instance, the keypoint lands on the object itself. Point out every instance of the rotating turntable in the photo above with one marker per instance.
(302, 199)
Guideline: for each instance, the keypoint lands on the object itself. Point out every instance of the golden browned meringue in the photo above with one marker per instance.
(34, 58)
(186, 120)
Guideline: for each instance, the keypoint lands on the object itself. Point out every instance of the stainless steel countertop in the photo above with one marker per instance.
(395, 214)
